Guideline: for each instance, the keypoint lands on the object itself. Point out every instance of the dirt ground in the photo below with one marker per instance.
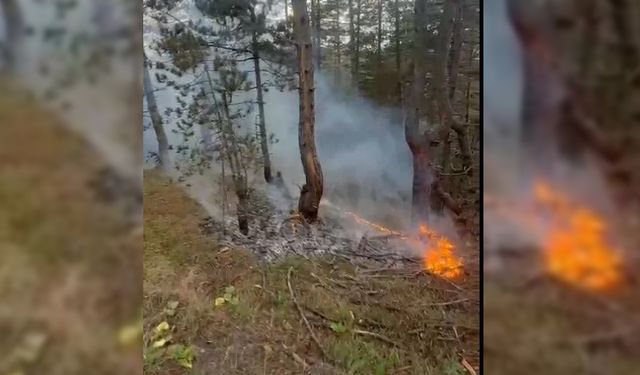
(226, 313)
(62, 240)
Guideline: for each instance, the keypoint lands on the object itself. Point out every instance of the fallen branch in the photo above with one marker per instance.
(295, 356)
(469, 368)
(304, 318)
(461, 300)
(378, 336)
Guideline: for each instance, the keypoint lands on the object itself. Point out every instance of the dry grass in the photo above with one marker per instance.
(60, 249)
(383, 323)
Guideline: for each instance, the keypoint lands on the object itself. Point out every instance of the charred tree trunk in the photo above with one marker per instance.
(243, 207)
(156, 119)
(554, 124)
(416, 139)
(312, 190)
(590, 42)
(628, 53)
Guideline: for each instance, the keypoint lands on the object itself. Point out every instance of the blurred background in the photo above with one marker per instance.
(561, 186)
(70, 187)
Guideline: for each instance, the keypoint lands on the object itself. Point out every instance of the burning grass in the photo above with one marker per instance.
(437, 251)
(366, 320)
(576, 245)
(576, 250)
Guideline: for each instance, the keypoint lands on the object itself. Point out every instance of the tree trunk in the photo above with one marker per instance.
(286, 11)
(337, 36)
(352, 43)
(417, 140)
(315, 14)
(264, 145)
(442, 86)
(357, 48)
(397, 50)
(628, 53)
(590, 42)
(231, 152)
(312, 190)
(379, 38)
(242, 209)
(14, 29)
(156, 119)
(455, 51)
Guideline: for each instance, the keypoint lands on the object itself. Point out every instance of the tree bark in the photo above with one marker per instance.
(14, 29)
(417, 140)
(312, 190)
(397, 50)
(231, 152)
(286, 11)
(264, 145)
(352, 42)
(554, 123)
(455, 50)
(628, 53)
(357, 48)
(442, 85)
(315, 14)
(337, 36)
(156, 119)
(379, 36)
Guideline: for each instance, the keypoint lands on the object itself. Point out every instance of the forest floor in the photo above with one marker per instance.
(61, 243)
(211, 309)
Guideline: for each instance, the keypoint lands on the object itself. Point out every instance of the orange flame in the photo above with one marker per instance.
(576, 251)
(438, 256)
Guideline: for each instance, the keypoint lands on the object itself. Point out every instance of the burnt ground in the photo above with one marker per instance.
(61, 243)
(362, 316)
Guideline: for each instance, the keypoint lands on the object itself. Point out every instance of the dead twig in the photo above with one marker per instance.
(461, 300)
(295, 356)
(469, 368)
(378, 336)
(304, 318)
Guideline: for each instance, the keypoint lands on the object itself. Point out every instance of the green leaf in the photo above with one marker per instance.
(159, 343)
(184, 355)
(219, 302)
(235, 301)
(229, 289)
(338, 327)
(164, 326)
